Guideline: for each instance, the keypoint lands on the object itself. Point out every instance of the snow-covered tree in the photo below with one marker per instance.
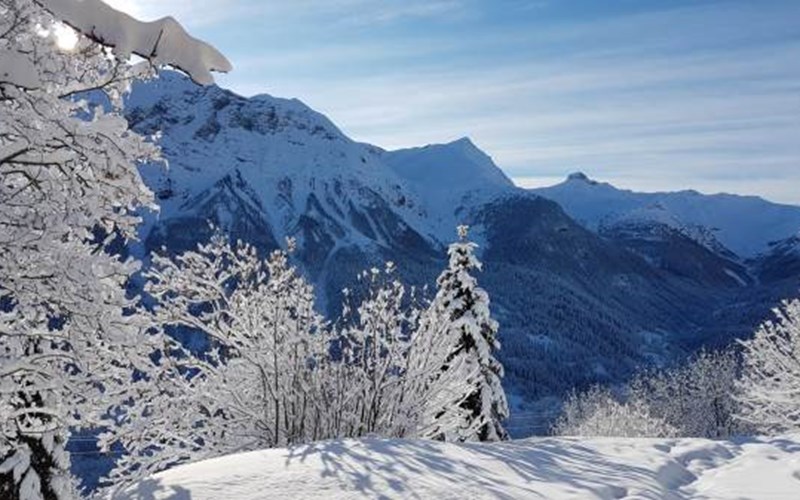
(698, 398)
(436, 385)
(258, 386)
(770, 382)
(374, 342)
(396, 369)
(597, 412)
(693, 400)
(464, 306)
(70, 338)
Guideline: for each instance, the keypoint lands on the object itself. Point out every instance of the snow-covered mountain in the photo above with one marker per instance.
(459, 165)
(667, 245)
(448, 179)
(266, 168)
(744, 225)
(577, 303)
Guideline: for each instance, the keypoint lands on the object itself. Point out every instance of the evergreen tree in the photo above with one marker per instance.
(465, 307)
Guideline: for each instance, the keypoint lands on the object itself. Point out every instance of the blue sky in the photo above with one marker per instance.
(646, 94)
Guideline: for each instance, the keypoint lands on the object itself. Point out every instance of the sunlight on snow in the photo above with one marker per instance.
(66, 37)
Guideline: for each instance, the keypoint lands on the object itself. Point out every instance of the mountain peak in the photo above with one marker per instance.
(460, 165)
(464, 145)
(580, 176)
(444, 175)
(211, 110)
(465, 142)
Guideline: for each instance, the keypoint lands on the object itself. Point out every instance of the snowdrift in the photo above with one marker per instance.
(546, 468)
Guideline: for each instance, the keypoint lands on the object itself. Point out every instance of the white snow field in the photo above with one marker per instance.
(539, 468)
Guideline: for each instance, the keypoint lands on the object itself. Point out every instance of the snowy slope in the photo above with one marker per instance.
(550, 468)
(266, 139)
(447, 177)
(263, 169)
(455, 170)
(459, 165)
(744, 224)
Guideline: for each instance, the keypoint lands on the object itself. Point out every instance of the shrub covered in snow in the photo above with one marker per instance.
(698, 399)
(597, 412)
(770, 384)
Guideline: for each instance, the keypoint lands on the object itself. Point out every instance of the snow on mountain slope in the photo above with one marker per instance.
(447, 176)
(453, 169)
(551, 468)
(275, 162)
(743, 224)
(568, 298)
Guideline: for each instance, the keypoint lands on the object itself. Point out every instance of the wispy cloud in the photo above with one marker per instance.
(273, 13)
(195, 14)
(372, 12)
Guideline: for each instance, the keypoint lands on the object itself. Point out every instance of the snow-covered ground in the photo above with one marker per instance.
(542, 468)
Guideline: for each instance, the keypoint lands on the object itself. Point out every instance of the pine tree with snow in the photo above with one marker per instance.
(435, 385)
(70, 337)
(464, 306)
(770, 383)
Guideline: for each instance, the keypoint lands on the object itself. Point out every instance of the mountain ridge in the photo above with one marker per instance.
(745, 225)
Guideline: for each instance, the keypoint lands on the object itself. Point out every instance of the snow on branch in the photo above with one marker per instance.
(162, 42)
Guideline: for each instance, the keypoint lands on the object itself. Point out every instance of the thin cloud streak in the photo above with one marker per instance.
(209, 14)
